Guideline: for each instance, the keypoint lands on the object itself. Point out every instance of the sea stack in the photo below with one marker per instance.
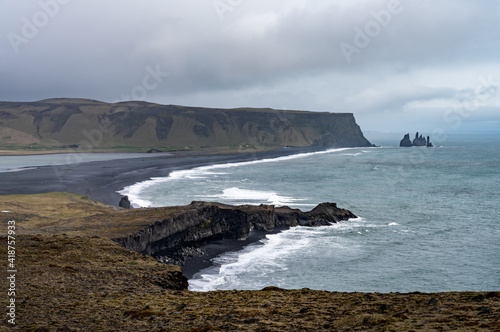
(419, 140)
(124, 203)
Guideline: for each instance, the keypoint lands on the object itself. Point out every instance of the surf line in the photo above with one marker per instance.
(134, 191)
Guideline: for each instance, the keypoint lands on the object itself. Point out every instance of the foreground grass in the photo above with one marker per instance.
(71, 214)
(83, 282)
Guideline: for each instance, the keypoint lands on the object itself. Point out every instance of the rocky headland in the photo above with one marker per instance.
(417, 141)
(83, 125)
(178, 238)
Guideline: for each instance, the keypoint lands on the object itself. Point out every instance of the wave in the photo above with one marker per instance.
(136, 191)
(20, 169)
(258, 260)
(258, 264)
(248, 196)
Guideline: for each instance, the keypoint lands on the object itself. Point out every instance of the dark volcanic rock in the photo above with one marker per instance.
(429, 144)
(203, 222)
(419, 140)
(124, 202)
(406, 142)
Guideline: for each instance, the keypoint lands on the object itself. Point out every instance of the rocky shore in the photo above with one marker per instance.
(180, 239)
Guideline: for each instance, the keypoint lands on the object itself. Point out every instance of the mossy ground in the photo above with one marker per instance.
(81, 282)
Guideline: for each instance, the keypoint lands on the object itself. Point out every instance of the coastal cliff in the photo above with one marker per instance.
(84, 125)
(176, 238)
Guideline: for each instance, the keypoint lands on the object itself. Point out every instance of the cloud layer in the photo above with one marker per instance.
(394, 64)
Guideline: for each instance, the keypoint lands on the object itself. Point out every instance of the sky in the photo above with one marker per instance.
(399, 65)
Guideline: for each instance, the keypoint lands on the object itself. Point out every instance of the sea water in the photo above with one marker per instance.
(428, 218)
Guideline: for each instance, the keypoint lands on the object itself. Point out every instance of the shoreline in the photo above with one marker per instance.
(101, 180)
(195, 265)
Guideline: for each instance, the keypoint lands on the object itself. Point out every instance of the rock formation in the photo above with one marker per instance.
(174, 239)
(124, 202)
(429, 144)
(406, 142)
(419, 140)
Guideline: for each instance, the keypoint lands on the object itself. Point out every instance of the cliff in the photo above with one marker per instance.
(203, 222)
(89, 125)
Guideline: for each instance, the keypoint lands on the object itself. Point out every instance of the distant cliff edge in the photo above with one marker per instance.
(88, 125)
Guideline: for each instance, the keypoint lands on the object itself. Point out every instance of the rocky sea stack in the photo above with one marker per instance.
(417, 141)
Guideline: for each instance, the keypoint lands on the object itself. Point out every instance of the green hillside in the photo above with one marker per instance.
(135, 126)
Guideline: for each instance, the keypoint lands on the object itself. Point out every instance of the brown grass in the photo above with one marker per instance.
(89, 283)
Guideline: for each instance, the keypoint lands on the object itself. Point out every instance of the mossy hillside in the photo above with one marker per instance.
(57, 123)
(92, 284)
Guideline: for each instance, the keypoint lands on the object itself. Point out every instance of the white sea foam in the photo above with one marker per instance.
(247, 196)
(253, 265)
(352, 154)
(258, 260)
(20, 169)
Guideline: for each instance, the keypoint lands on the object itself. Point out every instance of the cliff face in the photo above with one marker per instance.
(204, 222)
(89, 124)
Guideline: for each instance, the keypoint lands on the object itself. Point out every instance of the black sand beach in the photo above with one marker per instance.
(101, 180)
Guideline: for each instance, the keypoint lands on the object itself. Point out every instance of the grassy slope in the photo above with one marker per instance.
(92, 126)
(80, 282)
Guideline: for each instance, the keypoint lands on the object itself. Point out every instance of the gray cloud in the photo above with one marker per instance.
(406, 61)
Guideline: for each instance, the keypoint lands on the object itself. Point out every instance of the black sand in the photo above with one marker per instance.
(101, 180)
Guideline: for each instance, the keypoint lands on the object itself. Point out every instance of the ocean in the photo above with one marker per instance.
(428, 218)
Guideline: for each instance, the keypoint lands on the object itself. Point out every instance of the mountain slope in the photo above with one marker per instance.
(90, 124)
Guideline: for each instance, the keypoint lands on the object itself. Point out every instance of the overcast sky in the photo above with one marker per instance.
(424, 65)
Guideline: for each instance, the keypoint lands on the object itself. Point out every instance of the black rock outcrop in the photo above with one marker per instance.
(205, 222)
(124, 202)
(419, 140)
(406, 142)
